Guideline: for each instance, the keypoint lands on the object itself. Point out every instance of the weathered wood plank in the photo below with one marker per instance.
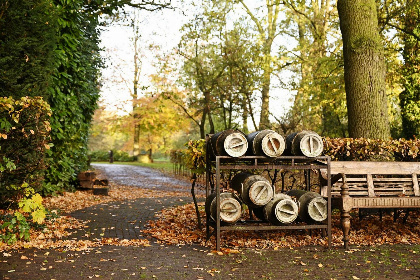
(386, 202)
(416, 185)
(371, 191)
(383, 168)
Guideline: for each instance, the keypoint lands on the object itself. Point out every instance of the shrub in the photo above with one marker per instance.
(194, 157)
(122, 156)
(24, 136)
(372, 150)
(99, 155)
(102, 155)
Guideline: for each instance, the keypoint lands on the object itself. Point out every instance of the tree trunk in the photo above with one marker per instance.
(136, 144)
(150, 154)
(244, 116)
(136, 116)
(364, 69)
(265, 98)
(410, 97)
(202, 125)
(267, 28)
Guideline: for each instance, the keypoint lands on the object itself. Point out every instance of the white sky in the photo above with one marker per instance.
(161, 28)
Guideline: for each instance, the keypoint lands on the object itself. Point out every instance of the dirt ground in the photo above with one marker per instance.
(125, 220)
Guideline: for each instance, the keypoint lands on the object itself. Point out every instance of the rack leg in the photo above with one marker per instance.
(218, 204)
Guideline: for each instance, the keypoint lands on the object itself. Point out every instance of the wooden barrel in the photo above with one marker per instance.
(254, 190)
(229, 143)
(306, 142)
(313, 207)
(230, 207)
(265, 143)
(282, 209)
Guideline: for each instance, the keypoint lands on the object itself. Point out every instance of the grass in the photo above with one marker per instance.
(160, 164)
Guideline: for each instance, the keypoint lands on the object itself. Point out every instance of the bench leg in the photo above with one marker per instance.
(345, 224)
(406, 216)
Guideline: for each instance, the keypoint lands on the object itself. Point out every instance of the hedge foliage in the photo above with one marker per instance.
(24, 138)
(361, 149)
(104, 156)
(194, 157)
(74, 92)
(346, 149)
(50, 48)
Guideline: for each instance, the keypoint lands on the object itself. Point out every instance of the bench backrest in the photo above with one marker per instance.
(369, 178)
(375, 167)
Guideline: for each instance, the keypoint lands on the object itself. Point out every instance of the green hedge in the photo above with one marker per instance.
(102, 155)
(24, 138)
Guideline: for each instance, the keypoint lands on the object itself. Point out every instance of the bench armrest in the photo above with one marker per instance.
(324, 181)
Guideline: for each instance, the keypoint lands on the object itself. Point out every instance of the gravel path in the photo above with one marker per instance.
(126, 219)
(143, 177)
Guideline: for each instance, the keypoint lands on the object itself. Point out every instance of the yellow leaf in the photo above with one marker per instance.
(37, 198)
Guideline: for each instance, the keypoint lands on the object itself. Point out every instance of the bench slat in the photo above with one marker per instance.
(371, 191)
(380, 168)
(416, 185)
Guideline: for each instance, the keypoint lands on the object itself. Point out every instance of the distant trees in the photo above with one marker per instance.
(266, 26)
(410, 96)
(317, 62)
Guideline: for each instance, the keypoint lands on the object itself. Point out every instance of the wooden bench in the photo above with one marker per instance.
(380, 185)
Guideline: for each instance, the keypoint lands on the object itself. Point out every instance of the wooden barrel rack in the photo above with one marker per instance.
(217, 165)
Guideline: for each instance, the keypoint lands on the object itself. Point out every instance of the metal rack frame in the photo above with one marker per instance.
(264, 163)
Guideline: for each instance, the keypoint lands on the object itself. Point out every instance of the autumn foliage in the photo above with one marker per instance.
(359, 149)
(24, 138)
(178, 225)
